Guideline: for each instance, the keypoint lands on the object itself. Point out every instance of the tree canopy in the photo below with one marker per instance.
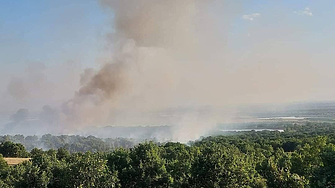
(302, 156)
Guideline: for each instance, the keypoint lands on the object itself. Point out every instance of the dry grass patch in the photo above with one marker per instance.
(15, 161)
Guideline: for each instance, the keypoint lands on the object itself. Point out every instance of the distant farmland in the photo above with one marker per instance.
(15, 161)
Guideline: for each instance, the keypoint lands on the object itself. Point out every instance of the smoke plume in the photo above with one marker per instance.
(165, 61)
(20, 115)
(174, 53)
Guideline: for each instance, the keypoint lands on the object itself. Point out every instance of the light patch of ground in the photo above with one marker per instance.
(15, 161)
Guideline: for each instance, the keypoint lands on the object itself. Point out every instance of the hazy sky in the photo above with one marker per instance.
(50, 43)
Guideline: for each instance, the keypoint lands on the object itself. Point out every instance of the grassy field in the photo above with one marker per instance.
(15, 161)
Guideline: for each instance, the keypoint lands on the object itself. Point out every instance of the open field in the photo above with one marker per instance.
(15, 161)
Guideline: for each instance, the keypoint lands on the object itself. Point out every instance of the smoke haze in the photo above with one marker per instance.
(169, 54)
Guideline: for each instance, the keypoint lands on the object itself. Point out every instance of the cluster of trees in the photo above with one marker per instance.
(251, 159)
(73, 143)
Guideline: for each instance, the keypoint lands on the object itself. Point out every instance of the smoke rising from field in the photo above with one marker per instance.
(20, 115)
(170, 54)
(175, 53)
(159, 54)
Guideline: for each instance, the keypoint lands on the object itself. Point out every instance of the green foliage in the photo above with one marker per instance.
(62, 154)
(70, 143)
(300, 157)
(10, 149)
(3, 166)
(307, 159)
(89, 170)
(147, 168)
(219, 166)
(277, 171)
(324, 176)
(33, 176)
(179, 159)
(119, 161)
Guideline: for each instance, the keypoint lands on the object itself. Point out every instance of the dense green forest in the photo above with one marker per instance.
(302, 156)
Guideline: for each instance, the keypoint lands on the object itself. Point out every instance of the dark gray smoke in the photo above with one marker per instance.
(17, 88)
(49, 116)
(21, 115)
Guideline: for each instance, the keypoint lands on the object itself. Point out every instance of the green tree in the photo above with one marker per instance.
(89, 171)
(3, 166)
(219, 166)
(62, 154)
(308, 158)
(277, 171)
(10, 149)
(119, 161)
(33, 177)
(147, 168)
(324, 176)
(179, 159)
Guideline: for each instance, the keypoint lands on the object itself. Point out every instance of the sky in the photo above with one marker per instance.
(44, 31)
(59, 39)
(30, 29)
(58, 35)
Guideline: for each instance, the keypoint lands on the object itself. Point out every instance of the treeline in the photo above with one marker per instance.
(73, 143)
(298, 158)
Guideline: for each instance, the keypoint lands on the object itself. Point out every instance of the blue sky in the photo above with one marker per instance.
(45, 30)
(317, 29)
